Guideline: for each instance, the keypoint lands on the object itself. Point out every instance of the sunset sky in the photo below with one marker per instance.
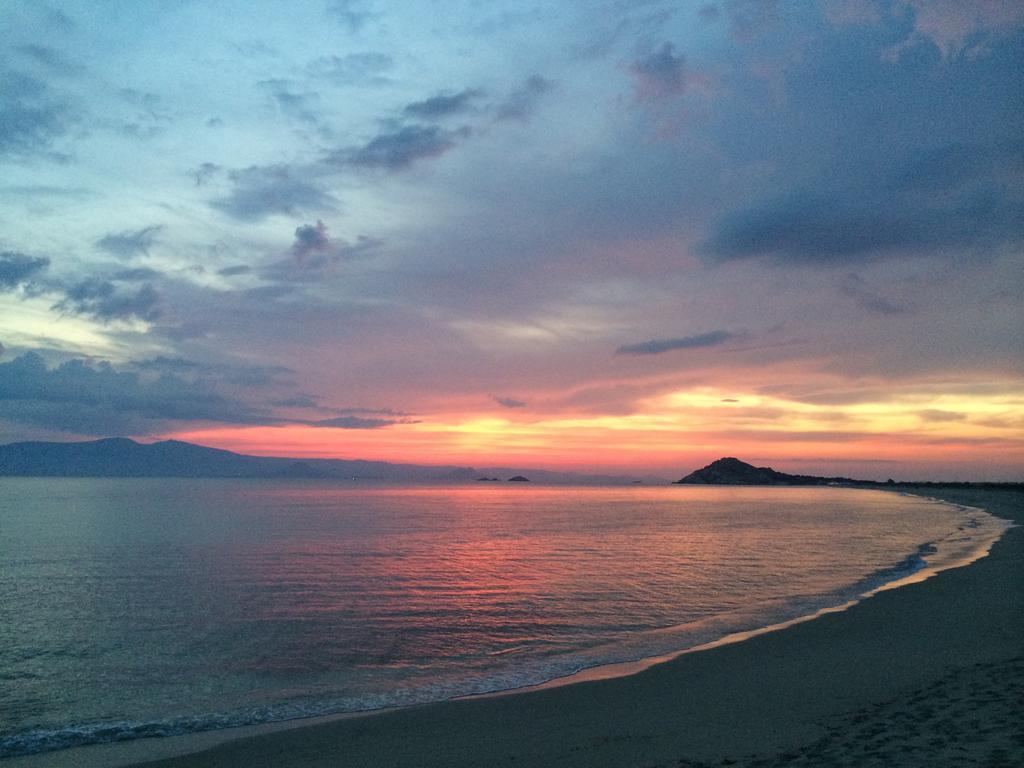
(599, 236)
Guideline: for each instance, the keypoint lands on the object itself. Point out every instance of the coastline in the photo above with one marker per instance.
(777, 690)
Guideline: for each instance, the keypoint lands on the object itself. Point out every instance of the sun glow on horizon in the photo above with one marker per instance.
(670, 432)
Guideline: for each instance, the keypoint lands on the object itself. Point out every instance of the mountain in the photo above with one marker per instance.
(122, 457)
(731, 471)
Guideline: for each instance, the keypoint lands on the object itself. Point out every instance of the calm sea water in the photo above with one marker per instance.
(139, 607)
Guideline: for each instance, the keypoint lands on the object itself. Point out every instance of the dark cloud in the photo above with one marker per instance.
(401, 148)
(659, 75)
(296, 401)
(243, 374)
(146, 118)
(204, 173)
(104, 300)
(262, 191)
(444, 104)
(314, 251)
(359, 422)
(50, 59)
(353, 69)
(31, 117)
(166, 364)
(135, 275)
(657, 346)
(300, 106)
(236, 269)
(390, 412)
(508, 402)
(351, 14)
(522, 102)
(130, 243)
(18, 268)
(812, 228)
(80, 397)
(959, 165)
(310, 238)
(857, 289)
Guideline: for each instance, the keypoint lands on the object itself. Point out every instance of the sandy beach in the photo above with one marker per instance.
(929, 674)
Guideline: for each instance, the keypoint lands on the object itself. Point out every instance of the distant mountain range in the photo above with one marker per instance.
(122, 457)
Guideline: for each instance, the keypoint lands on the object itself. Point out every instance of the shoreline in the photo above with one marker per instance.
(183, 749)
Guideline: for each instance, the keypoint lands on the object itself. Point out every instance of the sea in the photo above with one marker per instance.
(137, 608)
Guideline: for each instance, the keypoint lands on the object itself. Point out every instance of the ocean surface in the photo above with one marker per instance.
(144, 607)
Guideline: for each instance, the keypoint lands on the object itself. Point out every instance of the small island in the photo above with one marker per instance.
(732, 471)
(519, 479)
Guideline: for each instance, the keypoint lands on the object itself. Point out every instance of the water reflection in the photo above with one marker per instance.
(155, 599)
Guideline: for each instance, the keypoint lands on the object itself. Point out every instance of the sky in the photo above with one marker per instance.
(597, 236)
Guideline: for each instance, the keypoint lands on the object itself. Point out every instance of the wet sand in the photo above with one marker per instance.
(929, 674)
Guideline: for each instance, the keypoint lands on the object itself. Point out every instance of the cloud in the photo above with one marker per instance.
(31, 118)
(314, 251)
(353, 69)
(236, 269)
(130, 243)
(49, 58)
(659, 75)
(262, 191)
(936, 414)
(310, 238)
(508, 402)
(300, 106)
(204, 173)
(147, 118)
(17, 268)
(809, 227)
(522, 102)
(359, 422)
(137, 274)
(854, 286)
(351, 14)
(105, 301)
(444, 104)
(950, 24)
(954, 27)
(244, 374)
(84, 398)
(658, 346)
(297, 401)
(401, 148)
